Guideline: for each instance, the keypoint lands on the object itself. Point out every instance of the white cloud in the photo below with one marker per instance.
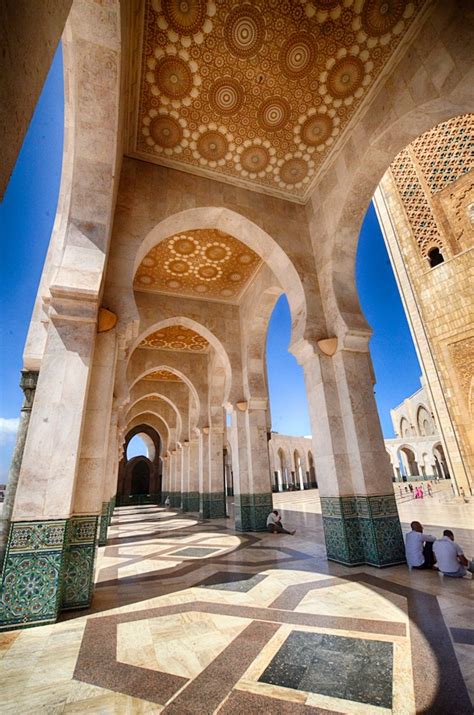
(8, 428)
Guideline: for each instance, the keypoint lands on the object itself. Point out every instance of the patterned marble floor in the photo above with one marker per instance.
(192, 618)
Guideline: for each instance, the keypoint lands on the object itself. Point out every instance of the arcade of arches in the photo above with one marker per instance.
(214, 159)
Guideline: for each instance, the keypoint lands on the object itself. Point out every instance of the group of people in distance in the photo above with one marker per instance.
(424, 550)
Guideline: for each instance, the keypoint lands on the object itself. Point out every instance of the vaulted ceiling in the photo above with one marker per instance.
(175, 337)
(204, 263)
(256, 93)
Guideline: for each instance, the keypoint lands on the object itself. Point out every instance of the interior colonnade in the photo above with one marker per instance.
(154, 304)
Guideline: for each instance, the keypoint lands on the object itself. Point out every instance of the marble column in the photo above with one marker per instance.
(251, 466)
(41, 530)
(178, 476)
(91, 495)
(184, 475)
(359, 510)
(110, 479)
(212, 497)
(28, 382)
(195, 454)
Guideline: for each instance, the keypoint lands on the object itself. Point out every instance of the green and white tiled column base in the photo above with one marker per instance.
(105, 517)
(251, 511)
(32, 574)
(363, 530)
(175, 499)
(212, 505)
(79, 561)
(190, 501)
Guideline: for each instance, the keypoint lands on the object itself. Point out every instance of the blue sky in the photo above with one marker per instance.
(26, 220)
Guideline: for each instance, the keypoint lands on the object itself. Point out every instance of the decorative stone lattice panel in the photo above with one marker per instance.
(446, 152)
(258, 92)
(415, 202)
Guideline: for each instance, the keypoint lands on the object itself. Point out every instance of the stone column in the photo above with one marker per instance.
(194, 475)
(252, 485)
(184, 475)
(33, 578)
(165, 479)
(28, 382)
(91, 496)
(359, 510)
(212, 497)
(110, 480)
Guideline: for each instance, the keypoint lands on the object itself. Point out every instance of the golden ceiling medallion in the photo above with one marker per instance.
(186, 17)
(316, 129)
(226, 96)
(274, 113)
(345, 77)
(173, 77)
(293, 171)
(297, 55)
(244, 31)
(166, 132)
(381, 16)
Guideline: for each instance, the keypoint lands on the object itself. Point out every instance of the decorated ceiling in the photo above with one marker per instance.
(258, 92)
(204, 263)
(175, 337)
(163, 376)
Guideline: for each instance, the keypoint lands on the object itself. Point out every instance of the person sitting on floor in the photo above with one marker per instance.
(274, 524)
(450, 556)
(419, 547)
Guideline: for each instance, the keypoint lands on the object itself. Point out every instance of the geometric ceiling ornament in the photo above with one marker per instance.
(175, 337)
(204, 263)
(256, 93)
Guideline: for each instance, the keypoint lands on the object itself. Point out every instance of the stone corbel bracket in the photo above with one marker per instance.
(70, 304)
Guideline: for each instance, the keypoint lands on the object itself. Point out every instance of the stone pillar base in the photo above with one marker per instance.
(251, 511)
(79, 561)
(212, 505)
(363, 530)
(49, 566)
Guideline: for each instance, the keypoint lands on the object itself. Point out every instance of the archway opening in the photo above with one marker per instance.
(290, 424)
(137, 447)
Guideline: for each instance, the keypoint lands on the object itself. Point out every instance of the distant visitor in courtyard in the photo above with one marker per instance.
(450, 557)
(419, 547)
(274, 524)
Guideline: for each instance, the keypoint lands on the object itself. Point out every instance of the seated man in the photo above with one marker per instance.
(419, 547)
(450, 556)
(274, 524)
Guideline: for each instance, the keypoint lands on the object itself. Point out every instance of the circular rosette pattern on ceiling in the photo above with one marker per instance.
(255, 158)
(273, 114)
(346, 77)
(185, 20)
(380, 20)
(316, 130)
(173, 76)
(166, 131)
(226, 96)
(212, 145)
(294, 170)
(297, 55)
(244, 31)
